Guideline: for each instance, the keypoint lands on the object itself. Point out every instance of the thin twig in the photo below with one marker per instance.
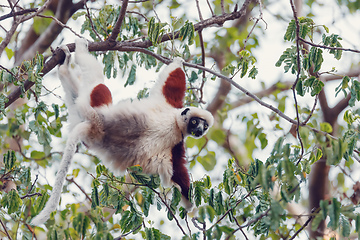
(305, 224)
(138, 13)
(297, 78)
(17, 22)
(232, 208)
(202, 45)
(17, 140)
(80, 188)
(61, 24)
(169, 209)
(330, 48)
(7, 70)
(238, 229)
(40, 10)
(312, 110)
(31, 230)
(4, 227)
(18, 13)
(156, 15)
(187, 224)
(91, 21)
(260, 17)
(211, 10)
(125, 234)
(222, 6)
(32, 186)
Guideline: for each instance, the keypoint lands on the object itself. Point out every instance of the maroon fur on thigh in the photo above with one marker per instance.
(181, 174)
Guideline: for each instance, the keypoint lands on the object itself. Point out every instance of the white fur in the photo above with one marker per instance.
(140, 132)
(70, 148)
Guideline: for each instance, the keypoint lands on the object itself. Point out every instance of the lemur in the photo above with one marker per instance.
(149, 132)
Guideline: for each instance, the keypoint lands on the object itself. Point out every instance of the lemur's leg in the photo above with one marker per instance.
(67, 77)
(70, 85)
(92, 90)
(92, 72)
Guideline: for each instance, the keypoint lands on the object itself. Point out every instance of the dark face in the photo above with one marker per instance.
(197, 126)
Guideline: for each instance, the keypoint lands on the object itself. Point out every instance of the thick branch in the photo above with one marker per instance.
(58, 56)
(64, 11)
(117, 26)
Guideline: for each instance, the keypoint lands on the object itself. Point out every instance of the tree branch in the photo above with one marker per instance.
(18, 13)
(298, 62)
(329, 48)
(64, 11)
(282, 86)
(117, 26)
(141, 46)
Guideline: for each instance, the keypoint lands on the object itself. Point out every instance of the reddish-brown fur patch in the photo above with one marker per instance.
(174, 88)
(100, 95)
(181, 174)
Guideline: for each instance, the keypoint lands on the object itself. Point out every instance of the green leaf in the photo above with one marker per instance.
(316, 221)
(141, 177)
(100, 169)
(253, 72)
(129, 221)
(81, 223)
(9, 53)
(357, 224)
(108, 61)
(155, 234)
(37, 155)
(9, 160)
(95, 198)
(78, 14)
(345, 227)
(290, 32)
(14, 201)
(318, 154)
(228, 180)
(299, 88)
(132, 76)
(210, 212)
(187, 31)
(193, 77)
(334, 214)
(326, 127)
(175, 198)
(208, 161)
(324, 207)
(199, 192)
(149, 199)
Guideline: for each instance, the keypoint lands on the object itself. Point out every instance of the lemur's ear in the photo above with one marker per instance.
(185, 111)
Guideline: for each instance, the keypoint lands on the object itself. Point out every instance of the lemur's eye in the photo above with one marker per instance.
(206, 126)
(194, 121)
